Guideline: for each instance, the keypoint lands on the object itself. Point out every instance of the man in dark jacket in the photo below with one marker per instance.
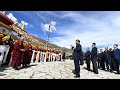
(87, 57)
(108, 59)
(63, 56)
(102, 61)
(112, 57)
(76, 58)
(94, 58)
(116, 53)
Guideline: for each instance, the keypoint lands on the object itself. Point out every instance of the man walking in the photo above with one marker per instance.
(76, 57)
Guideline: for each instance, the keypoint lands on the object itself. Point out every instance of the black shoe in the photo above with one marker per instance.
(17, 69)
(111, 70)
(95, 72)
(117, 73)
(89, 69)
(77, 76)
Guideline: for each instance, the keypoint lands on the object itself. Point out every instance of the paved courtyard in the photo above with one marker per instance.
(54, 70)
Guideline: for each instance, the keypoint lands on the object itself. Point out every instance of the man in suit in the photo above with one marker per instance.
(112, 57)
(102, 61)
(63, 56)
(108, 59)
(116, 53)
(94, 58)
(87, 57)
(76, 57)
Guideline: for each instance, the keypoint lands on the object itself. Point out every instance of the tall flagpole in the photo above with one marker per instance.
(48, 35)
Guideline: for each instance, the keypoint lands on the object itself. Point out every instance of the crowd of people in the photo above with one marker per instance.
(21, 52)
(108, 60)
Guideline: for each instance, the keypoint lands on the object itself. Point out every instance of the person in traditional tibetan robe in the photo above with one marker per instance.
(27, 55)
(16, 54)
(30, 53)
(23, 47)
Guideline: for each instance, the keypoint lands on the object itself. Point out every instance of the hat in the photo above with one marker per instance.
(1, 35)
(6, 37)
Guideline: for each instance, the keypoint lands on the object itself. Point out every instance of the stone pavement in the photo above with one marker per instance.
(54, 70)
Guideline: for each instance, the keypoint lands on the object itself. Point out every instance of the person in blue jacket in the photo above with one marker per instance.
(116, 53)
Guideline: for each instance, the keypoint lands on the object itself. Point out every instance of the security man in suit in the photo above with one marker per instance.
(102, 61)
(94, 58)
(87, 57)
(76, 57)
(116, 53)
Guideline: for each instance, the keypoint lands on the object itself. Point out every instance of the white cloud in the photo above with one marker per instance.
(45, 27)
(34, 34)
(25, 23)
(13, 18)
(104, 31)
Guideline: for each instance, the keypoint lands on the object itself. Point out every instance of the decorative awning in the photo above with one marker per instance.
(4, 19)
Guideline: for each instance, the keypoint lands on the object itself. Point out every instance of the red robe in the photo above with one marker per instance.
(16, 55)
(27, 55)
(30, 54)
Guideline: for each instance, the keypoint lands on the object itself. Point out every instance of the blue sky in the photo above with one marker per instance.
(102, 27)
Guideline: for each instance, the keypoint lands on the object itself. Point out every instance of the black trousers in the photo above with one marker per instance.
(117, 65)
(113, 64)
(88, 64)
(77, 67)
(102, 64)
(94, 62)
(98, 63)
(108, 65)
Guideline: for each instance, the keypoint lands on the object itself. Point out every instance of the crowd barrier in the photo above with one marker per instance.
(39, 56)
(3, 53)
